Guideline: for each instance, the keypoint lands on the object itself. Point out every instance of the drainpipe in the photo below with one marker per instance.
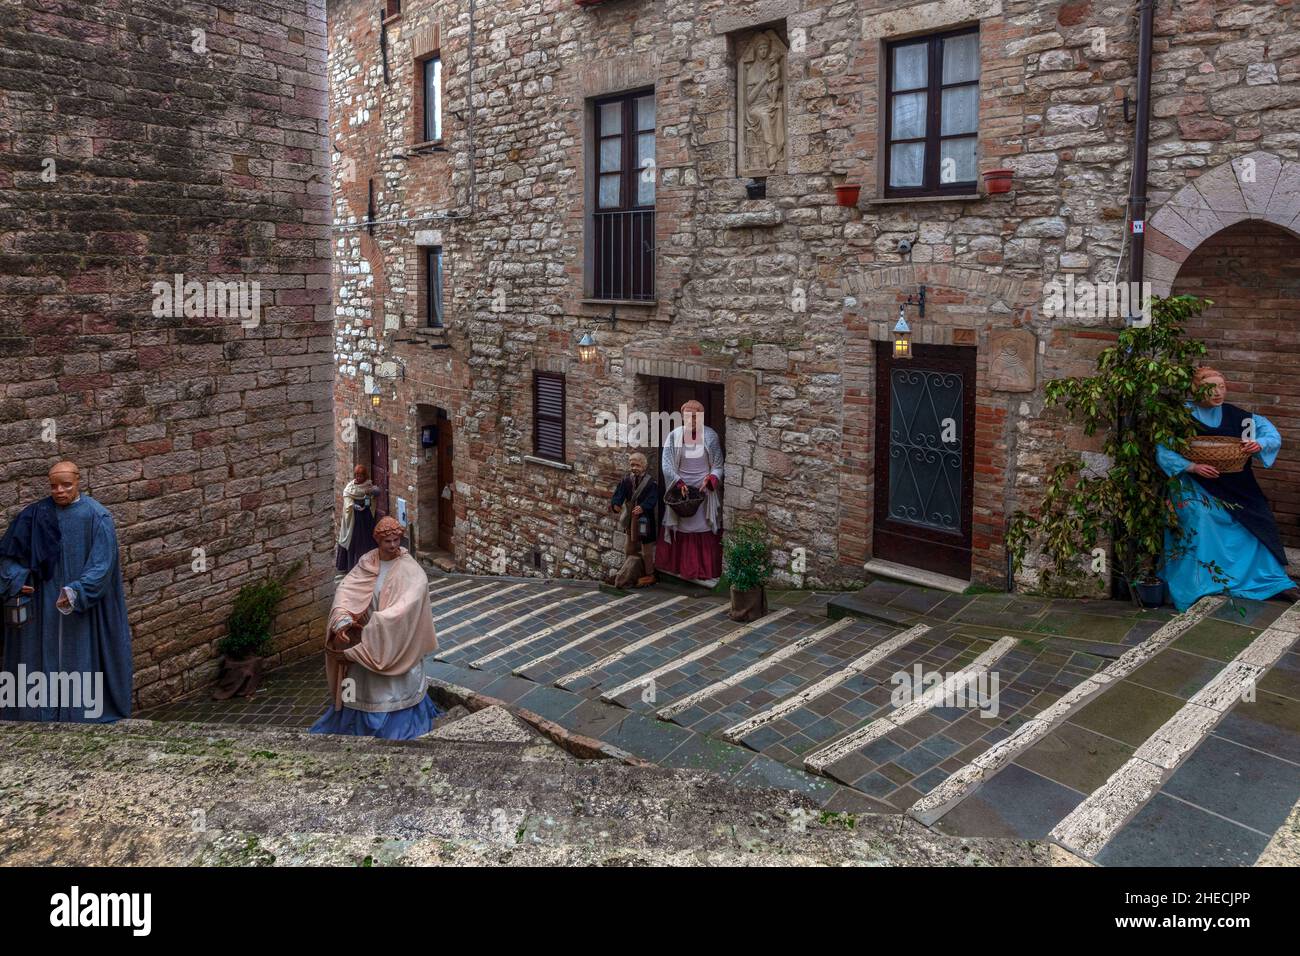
(1137, 200)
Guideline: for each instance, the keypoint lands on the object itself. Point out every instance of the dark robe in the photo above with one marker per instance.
(362, 540)
(649, 502)
(52, 548)
(1240, 489)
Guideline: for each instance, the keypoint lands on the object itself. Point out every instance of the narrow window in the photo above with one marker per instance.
(624, 214)
(548, 415)
(932, 93)
(433, 287)
(432, 99)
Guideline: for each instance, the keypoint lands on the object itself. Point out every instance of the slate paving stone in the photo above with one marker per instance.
(549, 702)
(1284, 677)
(1248, 787)
(1270, 724)
(917, 760)
(1014, 803)
(1176, 672)
(645, 737)
(706, 753)
(1169, 832)
(1218, 639)
(875, 784)
(763, 771)
(1127, 712)
(1084, 627)
(1075, 757)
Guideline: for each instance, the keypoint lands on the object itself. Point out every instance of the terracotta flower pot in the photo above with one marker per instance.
(847, 194)
(237, 678)
(998, 180)
(748, 605)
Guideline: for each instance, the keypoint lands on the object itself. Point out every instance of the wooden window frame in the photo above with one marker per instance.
(538, 416)
(623, 253)
(930, 185)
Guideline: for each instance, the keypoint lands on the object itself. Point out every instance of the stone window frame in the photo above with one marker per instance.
(933, 136)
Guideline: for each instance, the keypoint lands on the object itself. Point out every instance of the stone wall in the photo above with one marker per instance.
(784, 295)
(140, 141)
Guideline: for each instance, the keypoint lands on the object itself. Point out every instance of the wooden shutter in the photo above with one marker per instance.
(548, 415)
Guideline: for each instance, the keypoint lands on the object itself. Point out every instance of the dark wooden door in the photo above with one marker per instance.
(379, 470)
(446, 484)
(925, 463)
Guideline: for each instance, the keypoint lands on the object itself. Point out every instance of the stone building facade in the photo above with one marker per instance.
(140, 141)
(707, 254)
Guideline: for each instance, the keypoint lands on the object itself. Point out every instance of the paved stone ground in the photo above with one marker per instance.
(809, 688)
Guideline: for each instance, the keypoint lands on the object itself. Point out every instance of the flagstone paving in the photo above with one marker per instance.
(668, 677)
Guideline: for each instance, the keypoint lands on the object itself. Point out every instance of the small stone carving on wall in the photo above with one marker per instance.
(741, 395)
(1011, 360)
(760, 105)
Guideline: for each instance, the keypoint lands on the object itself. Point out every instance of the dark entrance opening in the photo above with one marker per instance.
(925, 462)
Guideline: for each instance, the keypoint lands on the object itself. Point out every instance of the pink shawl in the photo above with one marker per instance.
(398, 635)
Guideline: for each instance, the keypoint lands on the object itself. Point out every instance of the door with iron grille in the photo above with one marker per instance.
(925, 466)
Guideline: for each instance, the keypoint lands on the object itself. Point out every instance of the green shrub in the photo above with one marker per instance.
(249, 627)
(746, 561)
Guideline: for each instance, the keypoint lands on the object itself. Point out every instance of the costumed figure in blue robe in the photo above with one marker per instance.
(74, 652)
(1233, 530)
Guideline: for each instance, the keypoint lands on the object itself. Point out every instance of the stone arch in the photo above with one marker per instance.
(1258, 186)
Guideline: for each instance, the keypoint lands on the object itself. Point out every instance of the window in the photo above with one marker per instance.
(432, 99)
(548, 415)
(623, 220)
(392, 8)
(433, 287)
(933, 108)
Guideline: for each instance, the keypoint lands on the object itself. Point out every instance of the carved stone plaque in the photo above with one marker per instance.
(741, 395)
(760, 105)
(1012, 354)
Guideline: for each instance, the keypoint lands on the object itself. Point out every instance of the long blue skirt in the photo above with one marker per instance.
(406, 724)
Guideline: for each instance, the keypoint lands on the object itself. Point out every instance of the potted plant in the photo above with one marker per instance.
(998, 180)
(249, 636)
(1136, 398)
(747, 564)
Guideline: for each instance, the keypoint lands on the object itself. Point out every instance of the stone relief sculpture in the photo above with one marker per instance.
(760, 107)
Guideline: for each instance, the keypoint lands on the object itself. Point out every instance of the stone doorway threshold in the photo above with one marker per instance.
(443, 561)
(910, 575)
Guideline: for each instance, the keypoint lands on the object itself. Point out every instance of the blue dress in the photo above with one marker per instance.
(73, 547)
(1252, 561)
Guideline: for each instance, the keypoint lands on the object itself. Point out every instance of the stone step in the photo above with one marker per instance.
(204, 795)
(893, 571)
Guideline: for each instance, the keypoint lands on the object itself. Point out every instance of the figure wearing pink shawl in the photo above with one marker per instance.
(379, 631)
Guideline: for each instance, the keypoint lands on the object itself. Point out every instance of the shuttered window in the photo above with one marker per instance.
(548, 415)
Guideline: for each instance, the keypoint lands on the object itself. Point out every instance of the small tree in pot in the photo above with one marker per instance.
(1136, 398)
(747, 563)
(249, 636)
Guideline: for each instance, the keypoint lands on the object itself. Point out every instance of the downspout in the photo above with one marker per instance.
(1137, 200)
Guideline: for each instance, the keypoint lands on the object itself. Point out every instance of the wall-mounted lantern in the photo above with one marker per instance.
(587, 351)
(902, 337)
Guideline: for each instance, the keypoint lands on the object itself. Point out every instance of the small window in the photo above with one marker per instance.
(623, 216)
(932, 96)
(432, 99)
(548, 415)
(433, 287)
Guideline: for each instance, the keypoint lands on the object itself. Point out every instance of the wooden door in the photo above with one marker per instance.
(673, 394)
(379, 470)
(446, 484)
(924, 458)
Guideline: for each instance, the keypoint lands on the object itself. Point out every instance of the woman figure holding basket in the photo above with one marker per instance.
(1236, 532)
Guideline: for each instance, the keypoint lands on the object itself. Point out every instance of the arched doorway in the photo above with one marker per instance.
(1249, 270)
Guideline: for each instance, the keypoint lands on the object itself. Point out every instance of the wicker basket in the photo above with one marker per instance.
(684, 504)
(1224, 452)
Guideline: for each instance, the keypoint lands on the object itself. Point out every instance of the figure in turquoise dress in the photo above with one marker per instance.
(1224, 518)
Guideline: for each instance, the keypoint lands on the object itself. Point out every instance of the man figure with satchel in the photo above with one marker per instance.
(637, 495)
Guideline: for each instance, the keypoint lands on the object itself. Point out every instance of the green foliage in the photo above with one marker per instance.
(746, 560)
(1137, 399)
(249, 627)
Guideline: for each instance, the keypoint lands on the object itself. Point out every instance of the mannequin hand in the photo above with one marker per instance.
(28, 589)
(1252, 447)
(637, 511)
(1204, 471)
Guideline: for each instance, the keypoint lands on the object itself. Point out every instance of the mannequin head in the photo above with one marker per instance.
(693, 418)
(388, 536)
(65, 483)
(1218, 384)
(360, 474)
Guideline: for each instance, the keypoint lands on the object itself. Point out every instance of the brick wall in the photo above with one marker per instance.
(1253, 334)
(139, 140)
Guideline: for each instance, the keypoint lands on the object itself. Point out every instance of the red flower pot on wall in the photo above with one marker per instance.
(998, 180)
(847, 194)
